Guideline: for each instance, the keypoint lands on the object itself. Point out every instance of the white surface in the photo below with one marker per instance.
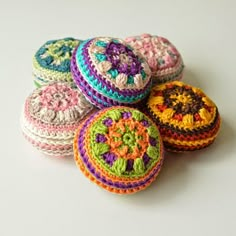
(195, 193)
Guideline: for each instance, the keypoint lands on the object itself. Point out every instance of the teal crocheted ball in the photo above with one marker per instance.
(51, 63)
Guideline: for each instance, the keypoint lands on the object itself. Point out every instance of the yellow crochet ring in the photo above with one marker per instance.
(187, 118)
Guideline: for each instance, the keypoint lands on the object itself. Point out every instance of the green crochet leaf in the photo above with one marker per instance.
(153, 152)
(100, 148)
(152, 131)
(100, 128)
(119, 166)
(138, 166)
(115, 115)
(137, 115)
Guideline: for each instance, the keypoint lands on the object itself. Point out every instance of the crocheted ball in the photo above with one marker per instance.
(163, 58)
(50, 116)
(51, 63)
(187, 119)
(119, 149)
(110, 73)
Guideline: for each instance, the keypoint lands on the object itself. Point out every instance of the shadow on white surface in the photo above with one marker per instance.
(193, 77)
(67, 160)
(171, 181)
(175, 177)
(33, 152)
(222, 148)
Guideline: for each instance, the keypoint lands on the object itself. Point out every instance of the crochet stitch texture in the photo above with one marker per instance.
(110, 73)
(120, 149)
(187, 119)
(51, 114)
(161, 55)
(51, 63)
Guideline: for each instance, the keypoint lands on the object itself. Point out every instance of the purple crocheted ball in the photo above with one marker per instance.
(109, 72)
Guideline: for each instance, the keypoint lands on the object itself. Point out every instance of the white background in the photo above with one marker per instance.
(195, 193)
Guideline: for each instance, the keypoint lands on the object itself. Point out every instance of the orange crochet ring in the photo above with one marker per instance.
(120, 149)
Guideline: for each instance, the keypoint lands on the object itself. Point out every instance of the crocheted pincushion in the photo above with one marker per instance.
(51, 114)
(119, 149)
(186, 117)
(163, 58)
(110, 73)
(51, 63)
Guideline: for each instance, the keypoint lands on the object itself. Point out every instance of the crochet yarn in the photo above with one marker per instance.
(51, 114)
(119, 149)
(163, 58)
(51, 63)
(110, 73)
(187, 119)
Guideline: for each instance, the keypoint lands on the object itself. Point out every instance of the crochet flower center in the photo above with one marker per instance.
(179, 104)
(58, 97)
(125, 142)
(129, 139)
(59, 51)
(183, 100)
(122, 59)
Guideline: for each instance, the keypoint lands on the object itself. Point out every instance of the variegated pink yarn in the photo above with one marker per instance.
(50, 116)
(163, 58)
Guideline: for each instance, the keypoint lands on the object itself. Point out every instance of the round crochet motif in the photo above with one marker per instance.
(163, 58)
(120, 149)
(51, 63)
(110, 73)
(187, 119)
(51, 115)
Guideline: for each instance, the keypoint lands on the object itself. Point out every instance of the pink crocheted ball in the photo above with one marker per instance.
(50, 116)
(163, 58)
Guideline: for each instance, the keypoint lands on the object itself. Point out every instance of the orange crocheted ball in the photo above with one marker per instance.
(120, 149)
